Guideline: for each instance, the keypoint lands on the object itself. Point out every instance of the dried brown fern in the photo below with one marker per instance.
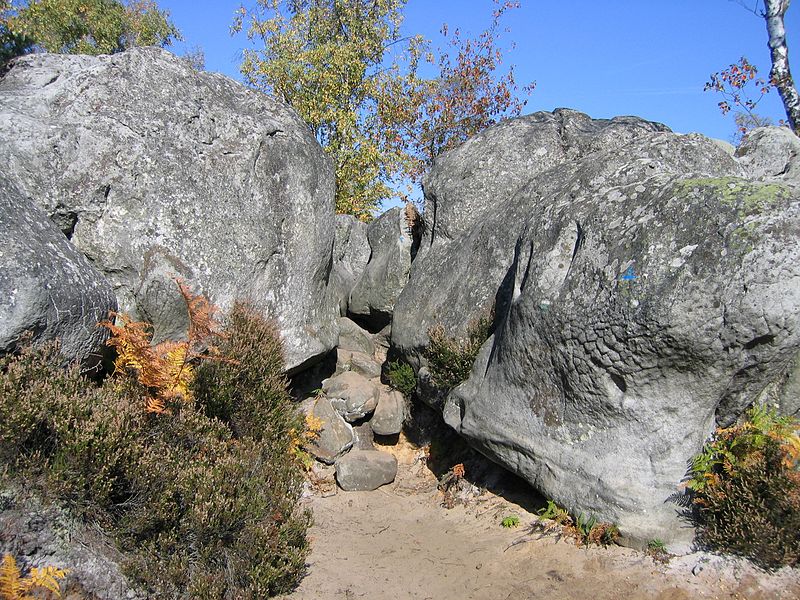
(166, 368)
(13, 586)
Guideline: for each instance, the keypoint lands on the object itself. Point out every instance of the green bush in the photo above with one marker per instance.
(249, 394)
(450, 360)
(401, 377)
(746, 490)
(202, 500)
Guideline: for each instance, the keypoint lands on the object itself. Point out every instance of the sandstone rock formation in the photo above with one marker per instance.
(391, 242)
(473, 212)
(646, 291)
(154, 170)
(46, 286)
(350, 256)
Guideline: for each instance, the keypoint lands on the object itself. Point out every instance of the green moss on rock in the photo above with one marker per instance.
(748, 198)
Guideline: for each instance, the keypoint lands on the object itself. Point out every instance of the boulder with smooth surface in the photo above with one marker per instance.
(389, 414)
(47, 287)
(351, 394)
(365, 470)
(155, 171)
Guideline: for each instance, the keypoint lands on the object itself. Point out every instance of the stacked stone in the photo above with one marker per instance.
(354, 406)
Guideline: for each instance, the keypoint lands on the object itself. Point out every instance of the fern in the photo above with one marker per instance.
(166, 368)
(746, 489)
(738, 447)
(13, 586)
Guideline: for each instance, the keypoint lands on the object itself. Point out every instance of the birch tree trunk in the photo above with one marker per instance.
(780, 75)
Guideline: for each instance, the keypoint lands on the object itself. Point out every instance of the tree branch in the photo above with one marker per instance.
(780, 75)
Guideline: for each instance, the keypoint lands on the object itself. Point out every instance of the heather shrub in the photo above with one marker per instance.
(401, 377)
(201, 496)
(746, 490)
(450, 359)
(248, 393)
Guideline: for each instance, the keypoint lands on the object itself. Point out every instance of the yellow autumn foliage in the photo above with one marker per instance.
(166, 368)
(13, 586)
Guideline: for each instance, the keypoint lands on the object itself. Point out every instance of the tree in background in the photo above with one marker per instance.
(82, 26)
(780, 76)
(357, 81)
(733, 82)
(468, 95)
(326, 59)
(736, 84)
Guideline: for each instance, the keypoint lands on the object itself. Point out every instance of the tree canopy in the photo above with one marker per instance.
(82, 26)
(359, 83)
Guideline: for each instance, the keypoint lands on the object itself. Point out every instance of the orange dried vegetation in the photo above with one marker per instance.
(165, 369)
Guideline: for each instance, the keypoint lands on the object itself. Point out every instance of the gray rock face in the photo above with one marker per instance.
(336, 436)
(389, 414)
(478, 197)
(155, 170)
(645, 293)
(40, 535)
(46, 286)
(365, 470)
(352, 395)
(365, 365)
(374, 295)
(350, 256)
(353, 338)
(768, 152)
(363, 437)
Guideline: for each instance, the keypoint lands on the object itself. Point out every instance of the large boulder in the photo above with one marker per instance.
(645, 292)
(474, 213)
(47, 287)
(392, 243)
(156, 171)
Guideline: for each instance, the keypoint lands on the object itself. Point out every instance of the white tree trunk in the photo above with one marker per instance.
(780, 75)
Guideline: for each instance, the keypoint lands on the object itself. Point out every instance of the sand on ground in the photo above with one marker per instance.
(399, 542)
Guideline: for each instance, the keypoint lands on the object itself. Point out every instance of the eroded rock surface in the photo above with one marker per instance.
(391, 240)
(156, 171)
(475, 209)
(47, 287)
(645, 289)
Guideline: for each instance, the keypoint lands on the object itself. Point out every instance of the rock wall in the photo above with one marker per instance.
(647, 289)
(154, 170)
(47, 287)
(391, 243)
(473, 213)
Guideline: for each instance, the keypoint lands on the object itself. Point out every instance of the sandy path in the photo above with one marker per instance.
(399, 543)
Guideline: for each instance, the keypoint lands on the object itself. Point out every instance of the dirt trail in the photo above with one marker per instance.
(399, 542)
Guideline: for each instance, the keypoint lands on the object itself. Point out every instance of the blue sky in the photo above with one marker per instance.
(648, 58)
